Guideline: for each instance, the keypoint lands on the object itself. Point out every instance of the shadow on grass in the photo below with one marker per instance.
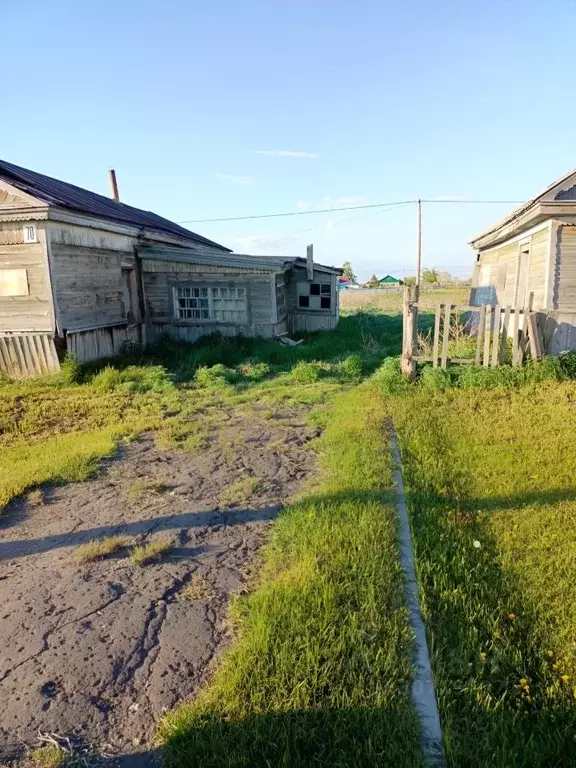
(331, 738)
(502, 703)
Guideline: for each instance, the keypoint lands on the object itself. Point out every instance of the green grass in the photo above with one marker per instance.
(57, 429)
(490, 475)
(99, 548)
(151, 552)
(49, 756)
(320, 672)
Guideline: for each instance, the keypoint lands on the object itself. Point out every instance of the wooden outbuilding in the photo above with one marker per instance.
(84, 274)
(532, 252)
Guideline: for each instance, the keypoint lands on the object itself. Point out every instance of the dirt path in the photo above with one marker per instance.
(100, 651)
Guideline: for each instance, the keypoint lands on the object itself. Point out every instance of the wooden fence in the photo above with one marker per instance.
(492, 327)
(26, 355)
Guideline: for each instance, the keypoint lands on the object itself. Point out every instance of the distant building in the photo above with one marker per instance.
(390, 280)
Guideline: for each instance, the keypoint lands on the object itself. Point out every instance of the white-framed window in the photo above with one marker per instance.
(30, 233)
(219, 303)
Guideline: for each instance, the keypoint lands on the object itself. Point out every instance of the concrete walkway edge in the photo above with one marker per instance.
(423, 694)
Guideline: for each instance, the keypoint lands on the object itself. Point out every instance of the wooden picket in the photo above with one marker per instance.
(490, 325)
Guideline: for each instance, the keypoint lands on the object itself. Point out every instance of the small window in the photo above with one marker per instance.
(314, 296)
(30, 235)
(14, 282)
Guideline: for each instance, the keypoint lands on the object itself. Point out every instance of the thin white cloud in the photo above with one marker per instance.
(330, 203)
(286, 153)
(262, 244)
(340, 202)
(248, 180)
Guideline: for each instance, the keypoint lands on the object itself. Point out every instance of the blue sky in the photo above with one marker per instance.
(214, 109)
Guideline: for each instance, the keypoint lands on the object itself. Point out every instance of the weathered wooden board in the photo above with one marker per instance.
(27, 355)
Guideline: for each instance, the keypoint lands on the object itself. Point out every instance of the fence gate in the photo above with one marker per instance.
(498, 334)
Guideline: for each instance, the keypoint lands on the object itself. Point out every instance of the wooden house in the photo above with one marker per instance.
(532, 251)
(86, 274)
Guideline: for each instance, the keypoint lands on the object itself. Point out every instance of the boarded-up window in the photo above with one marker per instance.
(222, 304)
(314, 296)
(14, 282)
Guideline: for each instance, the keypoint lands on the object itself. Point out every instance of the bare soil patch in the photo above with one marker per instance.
(100, 650)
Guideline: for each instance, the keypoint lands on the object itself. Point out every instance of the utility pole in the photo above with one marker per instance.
(419, 256)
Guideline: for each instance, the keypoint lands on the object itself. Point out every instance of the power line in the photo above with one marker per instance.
(297, 213)
(349, 208)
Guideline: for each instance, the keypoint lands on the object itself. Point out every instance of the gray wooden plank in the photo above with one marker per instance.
(515, 327)
(446, 334)
(487, 334)
(436, 335)
(504, 339)
(480, 335)
(496, 335)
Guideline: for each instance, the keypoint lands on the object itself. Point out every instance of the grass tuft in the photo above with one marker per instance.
(143, 485)
(149, 553)
(240, 491)
(99, 548)
(49, 756)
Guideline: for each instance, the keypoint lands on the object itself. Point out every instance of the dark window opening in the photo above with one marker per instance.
(314, 289)
(326, 288)
(325, 302)
(304, 301)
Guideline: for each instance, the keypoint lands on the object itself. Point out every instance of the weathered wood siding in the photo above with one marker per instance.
(32, 312)
(564, 270)
(160, 278)
(538, 266)
(98, 343)
(496, 275)
(27, 355)
(300, 319)
(87, 285)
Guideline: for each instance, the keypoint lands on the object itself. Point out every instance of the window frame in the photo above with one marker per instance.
(209, 285)
(322, 295)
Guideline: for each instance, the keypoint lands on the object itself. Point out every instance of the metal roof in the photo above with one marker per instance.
(238, 260)
(64, 195)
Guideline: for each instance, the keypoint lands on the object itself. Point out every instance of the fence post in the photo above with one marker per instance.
(409, 331)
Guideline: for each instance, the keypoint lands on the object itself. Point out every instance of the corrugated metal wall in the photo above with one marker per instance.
(26, 355)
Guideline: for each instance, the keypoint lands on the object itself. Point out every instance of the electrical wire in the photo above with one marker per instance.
(350, 208)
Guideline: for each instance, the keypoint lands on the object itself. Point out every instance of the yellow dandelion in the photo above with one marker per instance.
(565, 678)
(550, 653)
(554, 666)
(496, 635)
(523, 681)
(511, 616)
